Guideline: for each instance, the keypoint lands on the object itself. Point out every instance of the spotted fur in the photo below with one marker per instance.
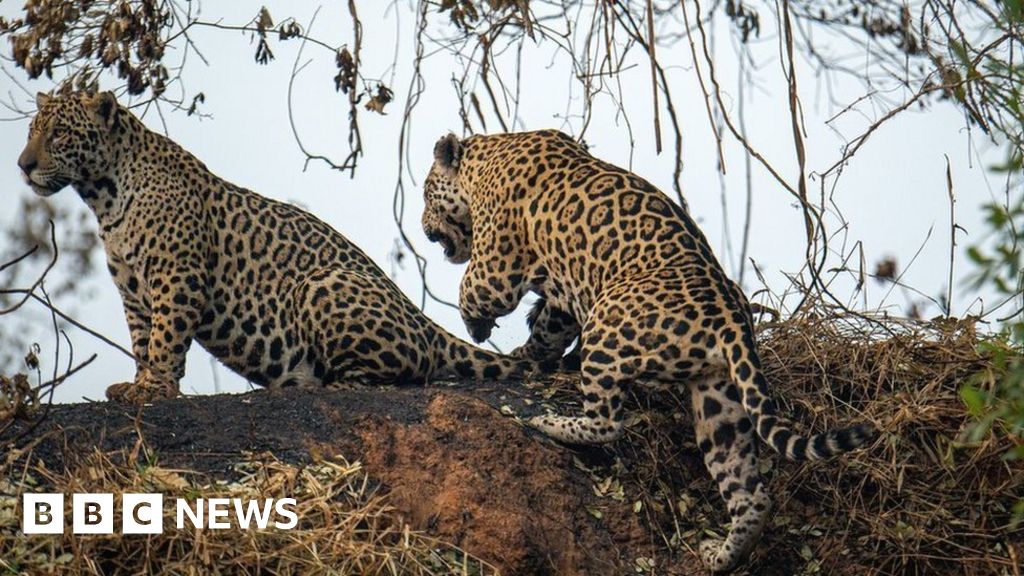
(275, 294)
(535, 211)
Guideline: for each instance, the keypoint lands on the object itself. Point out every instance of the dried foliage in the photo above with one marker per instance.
(128, 38)
(925, 499)
(147, 45)
(18, 400)
(345, 525)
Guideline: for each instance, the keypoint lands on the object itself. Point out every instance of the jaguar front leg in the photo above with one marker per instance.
(486, 294)
(177, 300)
(137, 311)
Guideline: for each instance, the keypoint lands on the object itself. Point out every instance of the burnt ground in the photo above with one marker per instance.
(206, 433)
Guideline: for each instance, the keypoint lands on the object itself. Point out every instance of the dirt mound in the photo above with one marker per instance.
(485, 485)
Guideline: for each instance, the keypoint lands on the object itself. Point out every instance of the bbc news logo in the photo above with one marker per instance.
(144, 513)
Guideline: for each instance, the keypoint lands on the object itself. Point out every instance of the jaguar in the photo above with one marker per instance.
(625, 270)
(274, 293)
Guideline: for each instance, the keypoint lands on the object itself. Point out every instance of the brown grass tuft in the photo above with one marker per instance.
(345, 526)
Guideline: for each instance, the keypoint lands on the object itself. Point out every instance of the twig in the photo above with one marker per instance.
(952, 237)
(39, 280)
(703, 88)
(653, 58)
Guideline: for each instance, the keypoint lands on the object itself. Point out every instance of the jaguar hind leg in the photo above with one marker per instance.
(726, 437)
(603, 380)
(602, 419)
(360, 330)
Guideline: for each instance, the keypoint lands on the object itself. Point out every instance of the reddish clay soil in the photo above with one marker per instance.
(484, 484)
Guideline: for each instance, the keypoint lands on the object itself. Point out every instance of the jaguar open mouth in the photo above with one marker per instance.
(445, 241)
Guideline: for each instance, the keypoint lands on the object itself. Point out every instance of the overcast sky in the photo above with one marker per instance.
(893, 193)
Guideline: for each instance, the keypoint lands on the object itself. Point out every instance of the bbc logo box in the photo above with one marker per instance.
(92, 514)
(42, 514)
(144, 513)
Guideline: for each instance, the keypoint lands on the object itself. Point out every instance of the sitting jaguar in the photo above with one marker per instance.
(619, 263)
(274, 293)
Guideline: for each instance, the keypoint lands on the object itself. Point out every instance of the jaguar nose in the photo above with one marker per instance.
(27, 163)
(434, 236)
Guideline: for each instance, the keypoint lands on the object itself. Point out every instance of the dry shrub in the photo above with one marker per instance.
(920, 500)
(345, 525)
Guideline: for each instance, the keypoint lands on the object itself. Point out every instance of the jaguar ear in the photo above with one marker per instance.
(104, 105)
(448, 151)
(42, 98)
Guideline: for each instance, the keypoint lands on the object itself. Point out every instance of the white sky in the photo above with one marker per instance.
(893, 193)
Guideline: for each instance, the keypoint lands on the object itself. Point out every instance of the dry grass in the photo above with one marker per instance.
(921, 500)
(345, 526)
